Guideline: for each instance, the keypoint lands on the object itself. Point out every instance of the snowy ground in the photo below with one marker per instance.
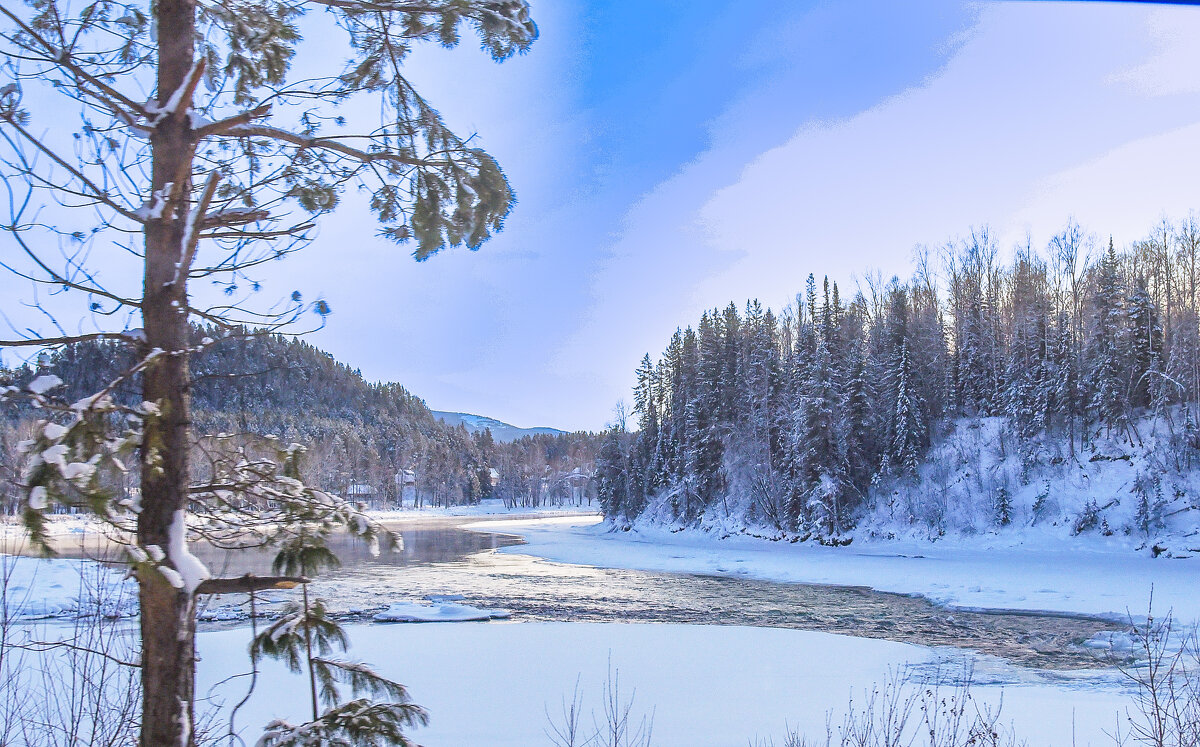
(488, 507)
(1054, 575)
(66, 526)
(708, 686)
(13, 531)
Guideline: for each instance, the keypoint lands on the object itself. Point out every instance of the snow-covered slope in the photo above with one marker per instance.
(1133, 491)
(501, 431)
(1138, 488)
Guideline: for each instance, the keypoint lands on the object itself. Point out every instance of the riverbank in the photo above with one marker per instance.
(979, 574)
(68, 527)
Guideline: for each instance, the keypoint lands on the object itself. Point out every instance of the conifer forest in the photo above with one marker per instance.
(830, 412)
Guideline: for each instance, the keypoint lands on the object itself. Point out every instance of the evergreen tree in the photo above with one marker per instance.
(1144, 343)
(862, 452)
(908, 434)
(820, 405)
(1002, 506)
(705, 430)
(1107, 377)
(822, 458)
(217, 179)
(1029, 380)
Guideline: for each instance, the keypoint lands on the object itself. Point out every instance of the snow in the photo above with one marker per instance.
(1051, 487)
(57, 525)
(161, 112)
(58, 587)
(487, 507)
(707, 686)
(439, 611)
(197, 120)
(190, 570)
(55, 455)
(158, 203)
(1053, 574)
(43, 384)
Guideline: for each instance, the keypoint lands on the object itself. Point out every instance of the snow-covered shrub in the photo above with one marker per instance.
(1002, 502)
(1041, 507)
(908, 710)
(1150, 504)
(1087, 518)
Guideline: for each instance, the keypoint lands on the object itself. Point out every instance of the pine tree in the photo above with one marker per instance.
(1151, 506)
(822, 443)
(862, 453)
(1107, 377)
(1002, 506)
(757, 440)
(612, 477)
(705, 430)
(1144, 343)
(1029, 381)
(908, 432)
(217, 179)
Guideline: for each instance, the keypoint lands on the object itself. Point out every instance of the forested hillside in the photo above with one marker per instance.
(357, 433)
(1057, 389)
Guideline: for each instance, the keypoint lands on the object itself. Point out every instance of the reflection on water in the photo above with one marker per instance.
(439, 557)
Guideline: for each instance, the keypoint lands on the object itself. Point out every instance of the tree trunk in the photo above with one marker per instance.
(168, 621)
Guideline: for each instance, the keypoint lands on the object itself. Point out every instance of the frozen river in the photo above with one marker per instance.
(719, 659)
(441, 557)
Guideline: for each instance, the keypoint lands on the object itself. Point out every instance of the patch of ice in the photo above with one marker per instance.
(444, 612)
(223, 613)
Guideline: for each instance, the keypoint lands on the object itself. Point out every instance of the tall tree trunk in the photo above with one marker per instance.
(167, 612)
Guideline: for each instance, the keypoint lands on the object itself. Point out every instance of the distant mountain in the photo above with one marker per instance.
(502, 432)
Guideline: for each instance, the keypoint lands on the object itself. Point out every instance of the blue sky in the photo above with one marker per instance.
(671, 155)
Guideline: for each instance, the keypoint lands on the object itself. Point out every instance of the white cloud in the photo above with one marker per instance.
(1043, 112)
(1175, 66)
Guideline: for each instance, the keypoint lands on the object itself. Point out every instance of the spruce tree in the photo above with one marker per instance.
(908, 433)
(822, 445)
(1107, 378)
(1144, 344)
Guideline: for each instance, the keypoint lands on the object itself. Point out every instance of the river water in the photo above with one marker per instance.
(440, 557)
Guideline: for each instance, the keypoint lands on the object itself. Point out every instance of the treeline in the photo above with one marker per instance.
(792, 420)
(375, 442)
(546, 469)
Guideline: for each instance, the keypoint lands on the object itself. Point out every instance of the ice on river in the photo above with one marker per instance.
(40, 588)
(437, 612)
(706, 685)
